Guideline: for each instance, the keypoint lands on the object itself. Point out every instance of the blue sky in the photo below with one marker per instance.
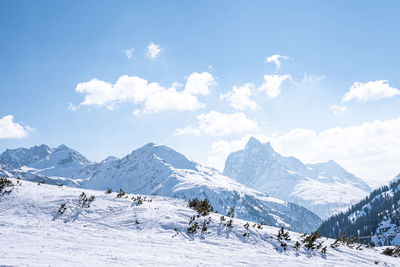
(325, 48)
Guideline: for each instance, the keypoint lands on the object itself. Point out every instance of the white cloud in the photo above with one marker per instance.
(338, 110)
(72, 107)
(128, 52)
(239, 97)
(370, 150)
(199, 83)
(219, 124)
(370, 91)
(135, 90)
(312, 79)
(170, 99)
(12, 130)
(153, 50)
(272, 84)
(276, 59)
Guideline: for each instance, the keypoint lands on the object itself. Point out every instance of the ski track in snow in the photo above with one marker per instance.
(32, 233)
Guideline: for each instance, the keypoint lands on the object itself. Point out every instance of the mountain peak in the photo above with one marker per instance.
(269, 148)
(255, 146)
(62, 147)
(109, 159)
(42, 147)
(167, 155)
(253, 143)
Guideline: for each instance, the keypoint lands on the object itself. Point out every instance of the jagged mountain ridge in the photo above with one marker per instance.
(324, 188)
(43, 163)
(159, 170)
(376, 218)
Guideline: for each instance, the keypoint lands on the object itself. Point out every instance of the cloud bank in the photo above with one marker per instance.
(239, 97)
(151, 95)
(370, 150)
(219, 124)
(12, 130)
(272, 84)
(370, 91)
(276, 59)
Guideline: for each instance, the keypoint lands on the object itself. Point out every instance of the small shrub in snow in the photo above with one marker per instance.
(204, 227)
(63, 208)
(192, 219)
(203, 207)
(231, 212)
(230, 223)
(324, 249)
(297, 245)
(222, 218)
(85, 201)
(193, 228)
(4, 184)
(137, 200)
(246, 225)
(108, 191)
(340, 240)
(350, 241)
(310, 240)
(283, 235)
(121, 193)
(41, 182)
(394, 252)
(60, 185)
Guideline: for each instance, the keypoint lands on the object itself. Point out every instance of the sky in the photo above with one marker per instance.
(317, 79)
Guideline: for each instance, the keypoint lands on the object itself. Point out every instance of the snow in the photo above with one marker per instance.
(106, 234)
(159, 170)
(324, 188)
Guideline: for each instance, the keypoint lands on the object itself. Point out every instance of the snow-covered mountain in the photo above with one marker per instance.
(324, 188)
(112, 231)
(54, 165)
(159, 170)
(376, 218)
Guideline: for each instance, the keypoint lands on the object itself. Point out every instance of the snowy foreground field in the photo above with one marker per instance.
(119, 231)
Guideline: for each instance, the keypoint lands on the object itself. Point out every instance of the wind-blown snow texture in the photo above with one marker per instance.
(159, 170)
(324, 188)
(116, 231)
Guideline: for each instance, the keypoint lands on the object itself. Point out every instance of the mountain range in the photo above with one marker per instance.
(155, 170)
(324, 188)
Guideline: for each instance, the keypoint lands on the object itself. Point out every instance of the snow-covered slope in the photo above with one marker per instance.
(324, 188)
(375, 218)
(116, 231)
(159, 170)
